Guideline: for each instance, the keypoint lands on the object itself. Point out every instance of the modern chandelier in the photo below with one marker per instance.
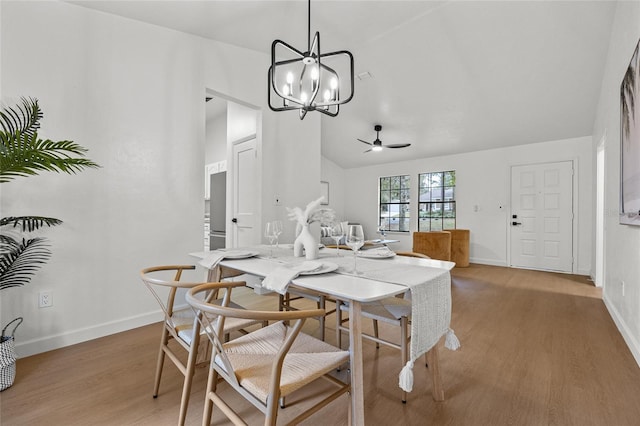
(308, 81)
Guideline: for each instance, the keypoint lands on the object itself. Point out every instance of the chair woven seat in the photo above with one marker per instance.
(182, 321)
(252, 358)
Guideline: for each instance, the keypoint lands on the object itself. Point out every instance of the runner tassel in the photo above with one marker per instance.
(451, 342)
(406, 377)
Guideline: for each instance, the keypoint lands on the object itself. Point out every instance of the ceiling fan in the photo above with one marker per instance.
(377, 144)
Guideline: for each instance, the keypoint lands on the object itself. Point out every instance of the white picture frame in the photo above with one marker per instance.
(324, 191)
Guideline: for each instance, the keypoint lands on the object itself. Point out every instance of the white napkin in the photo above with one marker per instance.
(279, 278)
(215, 257)
(377, 252)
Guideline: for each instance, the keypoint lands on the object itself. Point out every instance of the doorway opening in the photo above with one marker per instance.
(227, 121)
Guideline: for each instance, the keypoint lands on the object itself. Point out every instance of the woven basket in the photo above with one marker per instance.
(8, 356)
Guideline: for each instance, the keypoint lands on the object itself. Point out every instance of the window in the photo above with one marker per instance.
(437, 201)
(394, 203)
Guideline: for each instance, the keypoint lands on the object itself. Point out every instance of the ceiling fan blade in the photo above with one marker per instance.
(366, 151)
(398, 145)
(368, 143)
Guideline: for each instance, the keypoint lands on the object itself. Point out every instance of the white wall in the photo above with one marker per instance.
(334, 175)
(482, 179)
(216, 137)
(622, 242)
(132, 94)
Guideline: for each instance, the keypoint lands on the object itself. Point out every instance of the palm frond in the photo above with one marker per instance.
(29, 223)
(23, 118)
(26, 155)
(627, 97)
(20, 260)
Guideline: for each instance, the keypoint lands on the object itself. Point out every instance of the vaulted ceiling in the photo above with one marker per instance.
(448, 77)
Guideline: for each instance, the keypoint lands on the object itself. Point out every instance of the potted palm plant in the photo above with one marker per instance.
(22, 154)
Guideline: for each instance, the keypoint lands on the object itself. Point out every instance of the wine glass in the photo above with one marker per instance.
(277, 229)
(270, 233)
(355, 240)
(337, 233)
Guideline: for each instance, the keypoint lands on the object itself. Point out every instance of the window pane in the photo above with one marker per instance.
(385, 183)
(437, 193)
(395, 182)
(436, 179)
(449, 193)
(404, 225)
(425, 194)
(405, 195)
(449, 223)
(384, 197)
(450, 178)
(404, 181)
(436, 209)
(436, 225)
(450, 210)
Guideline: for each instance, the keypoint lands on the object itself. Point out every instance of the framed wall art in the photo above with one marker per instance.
(324, 186)
(630, 142)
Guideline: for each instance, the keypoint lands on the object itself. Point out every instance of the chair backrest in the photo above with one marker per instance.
(153, 283)
(412, 254)
(460, 247)
(435, 244)
(205, 310)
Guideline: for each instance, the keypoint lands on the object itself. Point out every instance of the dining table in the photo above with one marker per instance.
(375, 279)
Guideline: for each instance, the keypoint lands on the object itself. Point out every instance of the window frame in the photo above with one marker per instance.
(441, 210)
(402, 201)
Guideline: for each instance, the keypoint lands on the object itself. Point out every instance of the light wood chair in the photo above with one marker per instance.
(267, 364)
(379, 311)
(180, 325)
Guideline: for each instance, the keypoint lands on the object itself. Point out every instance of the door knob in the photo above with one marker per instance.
(234, 220)
(516, 223)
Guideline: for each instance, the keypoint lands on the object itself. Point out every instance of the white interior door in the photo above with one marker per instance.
(542, 216)
(245, 193)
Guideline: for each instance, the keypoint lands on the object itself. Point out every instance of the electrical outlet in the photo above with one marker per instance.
(45, 299)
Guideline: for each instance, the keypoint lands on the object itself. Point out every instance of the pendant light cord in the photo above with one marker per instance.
(309, 25)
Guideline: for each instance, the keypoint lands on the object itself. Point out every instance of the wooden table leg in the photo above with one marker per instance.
(355, 348)
(433, 364)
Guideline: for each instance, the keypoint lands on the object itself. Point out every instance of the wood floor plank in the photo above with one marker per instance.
(537, 349)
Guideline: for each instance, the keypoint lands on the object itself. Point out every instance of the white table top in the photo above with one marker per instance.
(340, 285)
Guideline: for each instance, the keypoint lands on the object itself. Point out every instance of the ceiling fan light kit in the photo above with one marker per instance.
(376, 145)
(304, 81)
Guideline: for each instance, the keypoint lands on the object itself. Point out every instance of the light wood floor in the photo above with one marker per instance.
(537, 349)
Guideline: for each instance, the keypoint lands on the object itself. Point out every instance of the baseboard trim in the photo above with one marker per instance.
(57, 341)
(490, 262)
(631, 342)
